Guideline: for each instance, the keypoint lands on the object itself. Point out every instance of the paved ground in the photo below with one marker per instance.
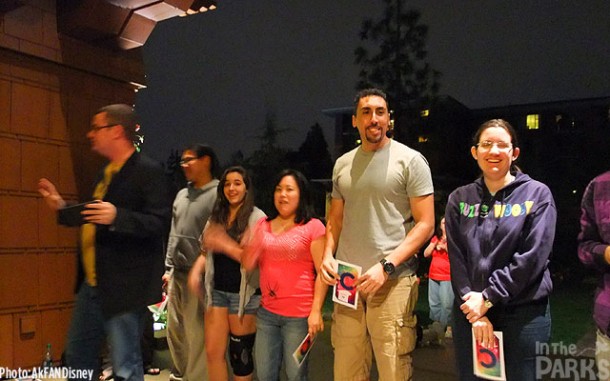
(432, 363)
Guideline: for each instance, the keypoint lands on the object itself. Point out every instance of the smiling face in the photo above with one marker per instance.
(372, 120)
(495, 153)
(286, 197)
(235, 189)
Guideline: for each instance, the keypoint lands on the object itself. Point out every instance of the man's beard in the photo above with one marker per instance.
(372, 139)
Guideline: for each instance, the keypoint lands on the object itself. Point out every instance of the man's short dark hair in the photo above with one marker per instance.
(367, 93)
(202, 150)
(124, 115)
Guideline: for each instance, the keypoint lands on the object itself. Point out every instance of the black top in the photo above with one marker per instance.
(227, 274)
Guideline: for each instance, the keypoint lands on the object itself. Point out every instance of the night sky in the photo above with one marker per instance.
(213, 77)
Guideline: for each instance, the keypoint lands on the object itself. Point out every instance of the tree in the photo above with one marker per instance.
(173, 171)
(266, 162)
(237, 158)
(313, 158)
(392, 56)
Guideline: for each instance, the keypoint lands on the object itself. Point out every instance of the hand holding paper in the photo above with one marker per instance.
(303, 349)
(488, 362)
(345, 291)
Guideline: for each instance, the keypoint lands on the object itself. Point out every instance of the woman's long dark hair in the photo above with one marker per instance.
(305, 210)
(220, 212)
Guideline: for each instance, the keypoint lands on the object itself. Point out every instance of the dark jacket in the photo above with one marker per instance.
(129, 254)
(504, 254)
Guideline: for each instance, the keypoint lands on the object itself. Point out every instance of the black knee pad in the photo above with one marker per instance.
(240, 353)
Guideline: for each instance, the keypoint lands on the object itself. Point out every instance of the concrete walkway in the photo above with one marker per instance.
(432, 363)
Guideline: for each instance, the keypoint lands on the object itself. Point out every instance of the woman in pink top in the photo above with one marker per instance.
(440, 293)
(287, 247)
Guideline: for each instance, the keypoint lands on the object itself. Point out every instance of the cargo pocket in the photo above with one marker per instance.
(406, 335)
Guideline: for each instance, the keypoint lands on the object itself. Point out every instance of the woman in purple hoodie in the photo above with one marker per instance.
(500, 231)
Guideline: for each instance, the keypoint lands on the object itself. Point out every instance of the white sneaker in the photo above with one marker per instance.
(429, 337)
(173, 377)
(449, 333)
(439, 331)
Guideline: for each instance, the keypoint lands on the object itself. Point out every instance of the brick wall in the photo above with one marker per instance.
(50, 85)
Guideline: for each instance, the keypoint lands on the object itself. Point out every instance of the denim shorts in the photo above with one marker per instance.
(230, 300)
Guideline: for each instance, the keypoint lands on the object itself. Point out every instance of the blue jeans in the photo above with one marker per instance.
(522, 327)
(440, 298)
(278, 337)
(88, 329)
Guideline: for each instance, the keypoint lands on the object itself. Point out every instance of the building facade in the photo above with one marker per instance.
(60, 61)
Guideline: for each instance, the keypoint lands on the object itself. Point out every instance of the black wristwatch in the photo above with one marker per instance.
(388, 267)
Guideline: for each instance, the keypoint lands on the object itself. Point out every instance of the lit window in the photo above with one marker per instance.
(422, 139)
(424, 113)
(533, 121)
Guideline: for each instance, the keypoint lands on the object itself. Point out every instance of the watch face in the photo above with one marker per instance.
(388, 267)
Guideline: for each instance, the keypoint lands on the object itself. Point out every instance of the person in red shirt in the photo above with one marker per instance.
(440, 293)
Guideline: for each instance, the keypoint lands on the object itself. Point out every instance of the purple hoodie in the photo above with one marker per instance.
(500, 245)
(593, 240)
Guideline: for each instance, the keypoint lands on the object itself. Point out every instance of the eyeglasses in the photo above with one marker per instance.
(187, 160)
(486, 145)
(97, 128)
